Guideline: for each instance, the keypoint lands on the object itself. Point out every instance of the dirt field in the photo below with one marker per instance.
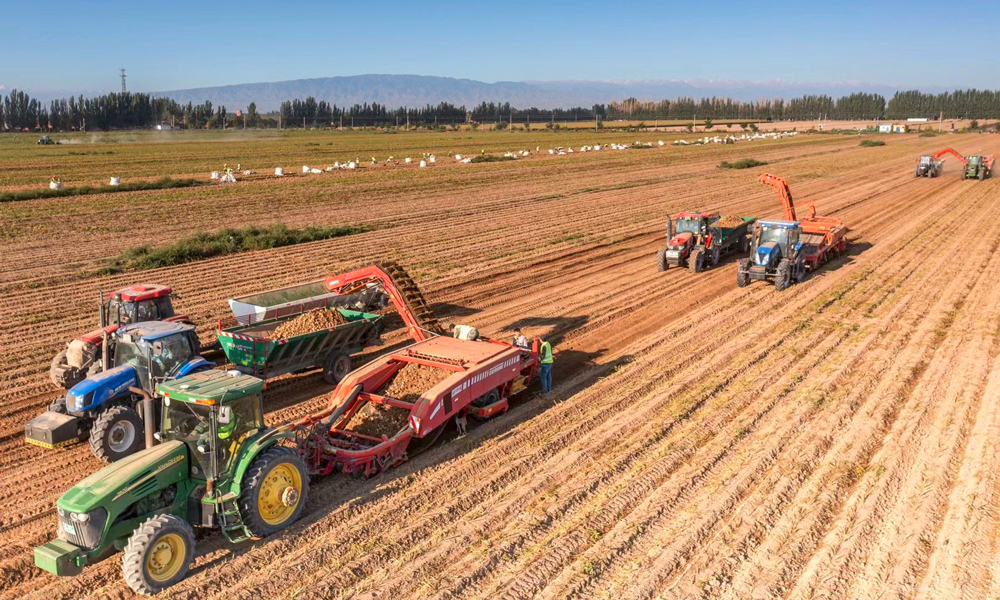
(835, 440)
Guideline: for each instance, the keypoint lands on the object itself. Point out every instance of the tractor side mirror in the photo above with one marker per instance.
(225, 414)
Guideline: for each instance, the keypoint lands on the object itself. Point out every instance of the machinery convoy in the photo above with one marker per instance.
(974, 166)
(188, 443)
(212, 462)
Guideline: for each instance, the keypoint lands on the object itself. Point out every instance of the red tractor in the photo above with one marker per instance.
(86, 355)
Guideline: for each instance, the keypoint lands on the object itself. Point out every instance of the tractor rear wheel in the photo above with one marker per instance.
(661, 260)
(696, 262)
(117, 433)
(982, 174)
(62, 374)
(274, 491)
(158, 554)
(743, 273)
(783, 276)
(336, 366)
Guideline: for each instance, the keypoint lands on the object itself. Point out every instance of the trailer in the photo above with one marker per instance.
(254, 352)
(479, 379)
(786, 251)
(701, 239)
(297, 299)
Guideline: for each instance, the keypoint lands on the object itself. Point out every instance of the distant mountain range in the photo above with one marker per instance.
(418, 90)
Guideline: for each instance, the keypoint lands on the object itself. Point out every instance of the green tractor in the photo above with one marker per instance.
(978, 167)
(212, 464)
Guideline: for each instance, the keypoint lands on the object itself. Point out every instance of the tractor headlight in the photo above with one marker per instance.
(78, 402)
(81, 517)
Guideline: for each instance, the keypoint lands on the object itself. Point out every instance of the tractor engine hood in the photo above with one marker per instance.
(124, 482)
(767, 254)
(99, 388)
(681, 240)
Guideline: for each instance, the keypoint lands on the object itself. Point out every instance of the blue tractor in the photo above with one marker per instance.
(776, 254)
(107, 406)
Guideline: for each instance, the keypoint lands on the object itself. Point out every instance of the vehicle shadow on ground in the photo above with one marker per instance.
(853, 251)
(573, 371)
(451, 311)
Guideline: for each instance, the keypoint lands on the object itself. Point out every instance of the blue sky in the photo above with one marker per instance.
(80, 45)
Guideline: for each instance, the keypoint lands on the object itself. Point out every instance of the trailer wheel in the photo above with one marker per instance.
(158, 554)
(714, 256)
(336, 366)
(116, 433)
(743, 273)
(696, 262)
(744, 244)
(661, 260)
(783, 276)
(274, 491)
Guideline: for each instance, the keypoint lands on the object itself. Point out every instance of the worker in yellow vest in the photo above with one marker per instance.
(545, 373)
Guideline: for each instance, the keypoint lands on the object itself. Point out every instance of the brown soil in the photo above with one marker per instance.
(314, 320)
(413, 380)
(408, 383)
(729, 221)
(840, 444)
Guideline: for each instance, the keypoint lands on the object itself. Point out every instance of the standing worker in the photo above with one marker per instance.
(545, 374)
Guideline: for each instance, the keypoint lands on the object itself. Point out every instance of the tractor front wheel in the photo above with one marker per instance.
(661, 260)
(274, 491)
(158, 554)
(783, 276)
(117, 433)
(743, 273)
(336, 367)
(696, 262)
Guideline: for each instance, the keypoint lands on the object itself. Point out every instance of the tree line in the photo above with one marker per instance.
(127, 110)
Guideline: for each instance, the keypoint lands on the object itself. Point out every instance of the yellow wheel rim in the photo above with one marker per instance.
(166, 558)
(279, 494)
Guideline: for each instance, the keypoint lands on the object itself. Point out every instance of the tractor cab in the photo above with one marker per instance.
(155, 350)
(137, 303)
(925, 160)
(213, 413)
(974, 160)
(774, 240)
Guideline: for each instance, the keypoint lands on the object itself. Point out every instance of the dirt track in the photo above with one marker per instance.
(834, 440)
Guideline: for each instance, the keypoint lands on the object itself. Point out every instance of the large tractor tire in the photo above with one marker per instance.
(982, 174)
(743, 273)
(117, 433)
(783, 276)
(274, 491)
(158, 554)
(696, 262)
(661, 260)
(336, 366)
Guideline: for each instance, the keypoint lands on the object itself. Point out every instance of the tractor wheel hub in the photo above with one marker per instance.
(289, 496)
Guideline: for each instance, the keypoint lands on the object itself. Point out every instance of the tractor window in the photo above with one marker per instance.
(134, 355)
(925, 160)
(246, 418)
(146, 311)
(190, 423)
(166, 309)
(775, 234)
(973, 160)
(175, 350)
(688, 225)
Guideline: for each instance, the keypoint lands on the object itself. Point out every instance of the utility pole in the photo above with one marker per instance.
(123, 79)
